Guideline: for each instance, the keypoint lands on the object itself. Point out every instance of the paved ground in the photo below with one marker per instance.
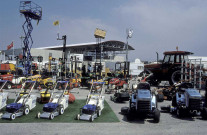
(169, 124)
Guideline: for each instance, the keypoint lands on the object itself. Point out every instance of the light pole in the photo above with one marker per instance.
(129, 33)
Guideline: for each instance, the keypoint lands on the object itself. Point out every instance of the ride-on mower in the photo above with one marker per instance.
(120, 95)
(57, 104)
(23, 103)
(94, 104)
(187, 101)
(143, 104)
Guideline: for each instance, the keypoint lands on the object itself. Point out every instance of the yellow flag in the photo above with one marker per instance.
(56, 23)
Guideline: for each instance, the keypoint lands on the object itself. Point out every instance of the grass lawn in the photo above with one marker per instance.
(107, 115)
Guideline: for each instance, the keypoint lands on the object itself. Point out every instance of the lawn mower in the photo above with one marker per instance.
(94, 104)
(23, 103)
(143, 104)
(57, 104)
(3, 95)
(116, 83)
(187, 101)
(45, 94)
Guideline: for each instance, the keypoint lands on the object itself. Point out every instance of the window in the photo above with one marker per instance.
(171, 58)
(166, 58)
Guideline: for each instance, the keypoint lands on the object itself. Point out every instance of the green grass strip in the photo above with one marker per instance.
(69, 115)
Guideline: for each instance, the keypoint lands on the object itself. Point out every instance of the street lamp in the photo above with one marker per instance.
(129, 35)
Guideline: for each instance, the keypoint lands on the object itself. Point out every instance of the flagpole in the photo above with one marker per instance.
(13, 50)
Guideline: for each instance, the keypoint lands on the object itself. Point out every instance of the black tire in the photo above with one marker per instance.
(8, 86)
(174, 103)
(91, 119)
(180, 112)
(156, 115)
(52, 116)
(13, 116)
(204, 113)
(124, 110)
(129, 115)
(61, 111)
(77, 117)
(175, 77)
(160, 97)
(38, 115)
(26, 110)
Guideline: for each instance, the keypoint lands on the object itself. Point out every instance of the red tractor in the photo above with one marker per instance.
(168, 70)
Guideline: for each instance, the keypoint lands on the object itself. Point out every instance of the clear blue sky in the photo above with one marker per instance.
(159, 25)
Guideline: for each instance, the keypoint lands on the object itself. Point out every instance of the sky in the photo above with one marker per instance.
(158, 25)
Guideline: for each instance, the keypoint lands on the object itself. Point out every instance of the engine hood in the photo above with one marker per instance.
(193, 93)
(151, 66)
(143, 95)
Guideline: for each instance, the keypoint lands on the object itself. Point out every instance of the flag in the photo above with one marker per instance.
(56, 23)
(10, 46)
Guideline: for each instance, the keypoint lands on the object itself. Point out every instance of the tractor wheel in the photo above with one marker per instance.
(26, 111)
(61, 111)
(175, 77)
(156, 116)
(78, 117)
(204, 113)
(38, 115)
(13, 116)
(52, 116)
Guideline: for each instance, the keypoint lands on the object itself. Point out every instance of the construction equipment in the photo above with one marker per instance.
(94, 104)
(142, 103)
(23, 103)
(57, 104)
(30, 11)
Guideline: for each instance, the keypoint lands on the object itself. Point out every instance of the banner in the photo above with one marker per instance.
(10, 46)
(56, 23)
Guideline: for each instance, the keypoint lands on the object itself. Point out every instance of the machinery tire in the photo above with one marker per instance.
(204, 113)
(129, 115)
(174, 103)
(13, 116)
(91, 119)
(111, 98)
(160, 97)
(156, 115)
(98, 113)
(9, 86)
(124, 110)
(175, 77)
(38, 115)
(61, 111)
(52, 116)
(78, 117)
(179, 112)
(26, 111)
